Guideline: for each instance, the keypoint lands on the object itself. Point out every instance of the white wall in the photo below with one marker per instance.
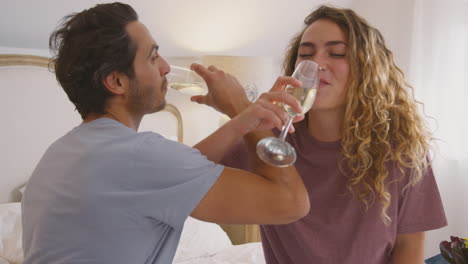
(182, 28)
(394, 20)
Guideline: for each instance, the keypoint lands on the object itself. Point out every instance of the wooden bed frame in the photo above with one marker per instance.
(239, 234)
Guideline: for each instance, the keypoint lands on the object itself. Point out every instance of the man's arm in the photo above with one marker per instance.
(408, 249)
(271, 195)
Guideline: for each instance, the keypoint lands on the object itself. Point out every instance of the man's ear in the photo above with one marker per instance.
(116, 83)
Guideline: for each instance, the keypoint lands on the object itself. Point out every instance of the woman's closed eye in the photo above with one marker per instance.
(305, 55)
(338, 55)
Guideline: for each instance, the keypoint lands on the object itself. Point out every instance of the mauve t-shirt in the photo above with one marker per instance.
(338, 229)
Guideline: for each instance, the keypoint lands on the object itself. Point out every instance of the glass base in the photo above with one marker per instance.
(276, 152)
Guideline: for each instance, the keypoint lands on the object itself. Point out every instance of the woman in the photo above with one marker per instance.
(362, 153)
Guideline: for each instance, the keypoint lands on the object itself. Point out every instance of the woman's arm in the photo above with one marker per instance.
(408, 249)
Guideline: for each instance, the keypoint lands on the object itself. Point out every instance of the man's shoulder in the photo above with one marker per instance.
(150, 141)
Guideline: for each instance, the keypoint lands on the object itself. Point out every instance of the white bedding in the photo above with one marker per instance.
(10, 233)
(201, 242)
(240, 254)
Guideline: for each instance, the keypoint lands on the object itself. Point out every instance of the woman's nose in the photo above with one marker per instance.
(322, 62)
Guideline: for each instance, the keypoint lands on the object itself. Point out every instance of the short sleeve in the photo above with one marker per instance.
(174, 178)
(420, 206)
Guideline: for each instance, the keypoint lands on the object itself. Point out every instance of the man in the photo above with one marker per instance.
(104, 193)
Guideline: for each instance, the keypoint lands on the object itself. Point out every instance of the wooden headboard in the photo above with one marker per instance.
(36, 112)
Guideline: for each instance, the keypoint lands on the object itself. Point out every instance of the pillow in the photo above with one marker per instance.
(11, 233)
(22, 189)
(200, 239)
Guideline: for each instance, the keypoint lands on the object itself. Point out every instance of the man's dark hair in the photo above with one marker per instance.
(88, 46)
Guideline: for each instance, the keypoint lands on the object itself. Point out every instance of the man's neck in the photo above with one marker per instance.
(120, 116)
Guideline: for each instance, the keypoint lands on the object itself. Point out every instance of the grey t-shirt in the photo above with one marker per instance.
(104, 193)
(338, 229)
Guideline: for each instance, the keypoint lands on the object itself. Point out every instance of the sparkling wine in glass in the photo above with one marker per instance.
(186, 81)
(276, 151)
(189, 82)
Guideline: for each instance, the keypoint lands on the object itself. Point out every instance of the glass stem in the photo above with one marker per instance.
(286, 127)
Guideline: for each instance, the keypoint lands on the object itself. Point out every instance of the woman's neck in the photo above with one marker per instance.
(326, 125)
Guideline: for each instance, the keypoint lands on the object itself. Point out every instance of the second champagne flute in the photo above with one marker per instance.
(276, 151)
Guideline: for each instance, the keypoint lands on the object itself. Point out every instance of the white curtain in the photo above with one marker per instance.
(430, 41)
(439, 72)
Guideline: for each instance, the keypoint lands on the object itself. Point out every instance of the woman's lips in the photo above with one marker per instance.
(323, 83)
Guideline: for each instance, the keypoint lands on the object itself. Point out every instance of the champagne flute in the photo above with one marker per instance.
(276, 151)
(189, 82)
(186, 81)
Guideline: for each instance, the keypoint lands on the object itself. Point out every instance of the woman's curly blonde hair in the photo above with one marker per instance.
(381, 122)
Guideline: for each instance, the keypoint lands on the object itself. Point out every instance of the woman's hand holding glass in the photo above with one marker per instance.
(267, 112)
(276, 151)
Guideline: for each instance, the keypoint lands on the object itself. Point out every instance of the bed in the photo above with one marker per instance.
(31, 123)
